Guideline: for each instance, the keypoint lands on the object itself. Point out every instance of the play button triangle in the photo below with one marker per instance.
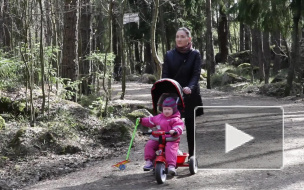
(235, 138)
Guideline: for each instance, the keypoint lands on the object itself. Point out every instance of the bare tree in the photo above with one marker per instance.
(276, 40)
(156, 59)
(209, 44)
(295, 58)
(115, 45)
(70, 42)
(302, 62)
(223, 33)
(256, 54)
(108, 68)
(85, 46)
(122, 5)
(247, 37)
(242, 32)
(163, 30)
(26, 52)
(42, 56)
(267, 55)
(5, 23)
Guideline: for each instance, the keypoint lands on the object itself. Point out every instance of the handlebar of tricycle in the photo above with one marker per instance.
(158, 133)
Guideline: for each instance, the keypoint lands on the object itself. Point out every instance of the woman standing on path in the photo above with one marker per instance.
(183, 64)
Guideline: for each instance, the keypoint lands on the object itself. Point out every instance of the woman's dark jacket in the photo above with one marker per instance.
(186, 70)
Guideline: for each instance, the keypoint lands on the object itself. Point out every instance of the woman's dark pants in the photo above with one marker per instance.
(189, 122)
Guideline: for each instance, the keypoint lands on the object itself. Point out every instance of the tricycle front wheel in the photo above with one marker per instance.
(160, 172)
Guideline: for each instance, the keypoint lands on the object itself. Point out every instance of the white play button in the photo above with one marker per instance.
(240, 137)
(235, 138)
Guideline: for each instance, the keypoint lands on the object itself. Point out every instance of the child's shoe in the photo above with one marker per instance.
(148, 166)
(171, 170)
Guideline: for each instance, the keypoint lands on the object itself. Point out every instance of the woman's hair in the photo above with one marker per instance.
(186, 30)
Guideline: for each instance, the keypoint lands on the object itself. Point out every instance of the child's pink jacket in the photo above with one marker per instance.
(163, 123)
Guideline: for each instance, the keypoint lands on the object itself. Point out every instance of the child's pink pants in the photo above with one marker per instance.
(170, 151)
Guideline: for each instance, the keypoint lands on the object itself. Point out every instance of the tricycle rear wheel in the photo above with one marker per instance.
(193, 165)
(160, 172)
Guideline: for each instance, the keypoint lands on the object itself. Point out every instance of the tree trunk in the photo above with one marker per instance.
(302, 62)
(141, 51)
(136, 49)
(247, 38)
(36, 41)
(148, 58)
(223, 35)
(254, 62)
(267, 55)
(295, 46)
(108, 68)
(70, 43)
(235, 38)
(146, 14)
(42, 57)
(56, 41)
(276, 38)
(28, 60)
(48, 20)
(121, 38)
(110, 48)
(163, 30)
(302, 53)
(116, 48)
(260, 56)
(168, 44)
(138, 62)
(255, 46)
(85, 66)
(200, 33)
(156, 60)
(5, 24)
(209, 44)
(242, 42)
(201, 47)
(130, 57)
(2, 27)
(100, 28)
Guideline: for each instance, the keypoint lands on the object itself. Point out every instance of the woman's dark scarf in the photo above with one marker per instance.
(185, 49)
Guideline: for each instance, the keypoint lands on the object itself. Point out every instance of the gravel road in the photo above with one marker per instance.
(102, 176)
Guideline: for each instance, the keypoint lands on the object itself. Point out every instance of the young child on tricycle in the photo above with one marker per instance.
(169, 121)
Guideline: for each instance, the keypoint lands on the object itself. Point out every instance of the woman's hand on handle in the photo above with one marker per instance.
(187, 90)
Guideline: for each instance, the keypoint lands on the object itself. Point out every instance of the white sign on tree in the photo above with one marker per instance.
(130, 17)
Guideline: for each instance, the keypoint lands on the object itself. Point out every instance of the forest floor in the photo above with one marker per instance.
(100, 174)
(82, 171)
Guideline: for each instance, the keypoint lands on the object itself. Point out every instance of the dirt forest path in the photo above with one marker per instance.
(102, 176)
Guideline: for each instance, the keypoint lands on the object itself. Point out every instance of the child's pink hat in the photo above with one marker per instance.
(170, 102)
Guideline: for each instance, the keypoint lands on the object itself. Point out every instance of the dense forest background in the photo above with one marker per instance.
(66, 65)
(84, 45)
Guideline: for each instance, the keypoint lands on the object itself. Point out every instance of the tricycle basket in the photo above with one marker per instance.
(181, 158)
